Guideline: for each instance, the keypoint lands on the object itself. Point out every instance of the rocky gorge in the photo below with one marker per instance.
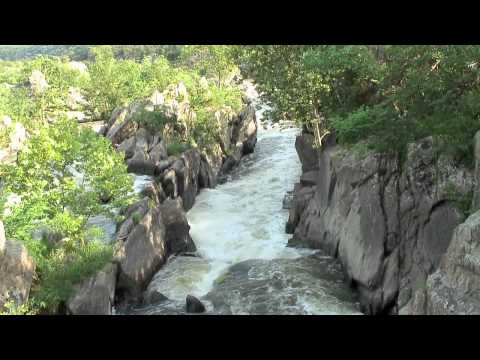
(403, 233)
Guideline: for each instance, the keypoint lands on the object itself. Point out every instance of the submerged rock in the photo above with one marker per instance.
(307, 285)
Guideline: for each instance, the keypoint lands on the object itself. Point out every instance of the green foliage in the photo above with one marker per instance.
(136, 217)
(387, 96)
(215, 61)
(62, 269)
(176, 148)
(11, 308)
(154, 120)
(112, 83)
(55, 196)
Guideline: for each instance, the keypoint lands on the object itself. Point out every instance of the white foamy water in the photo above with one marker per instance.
(243, 219)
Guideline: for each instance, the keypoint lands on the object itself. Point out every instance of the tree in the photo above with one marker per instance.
(216, 61)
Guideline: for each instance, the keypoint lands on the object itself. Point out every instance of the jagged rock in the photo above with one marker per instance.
(248, 130)
(476, 192)
(455, 287)
(193, 305)
(128, 147)
(287, 202)
(145, 241)
(142, 253)
(188, 180)
(309, 178)
(307, 154)
(121, 124)
(38, 83)
(158, 152)
(155, 192)
(206, 176)
(177, 229)
(137, 165)
(78, 66)
(17, 136)
(389, 227)
(16, 271)
(301, 198)
(96, 295)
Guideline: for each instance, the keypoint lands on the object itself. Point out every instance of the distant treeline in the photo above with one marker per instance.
(83, 53)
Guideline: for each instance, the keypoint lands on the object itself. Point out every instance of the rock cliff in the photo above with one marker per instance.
(389, 222)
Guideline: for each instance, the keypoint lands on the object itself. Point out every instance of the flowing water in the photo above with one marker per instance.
(244, 266)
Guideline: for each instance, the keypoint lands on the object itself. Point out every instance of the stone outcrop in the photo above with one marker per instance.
(156, 226)
(96, 295)
(15, 136)
(388, 222)
(455, 287)
(16, 271)
(153, 231)
(184, 175)
(141, 253)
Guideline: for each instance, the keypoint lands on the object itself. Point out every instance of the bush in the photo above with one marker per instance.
(176, 148)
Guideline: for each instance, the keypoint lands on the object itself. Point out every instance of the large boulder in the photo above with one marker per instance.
(177, 229)
(247, 130)
(96, 295)
(151, 233)
(307, 154)
(16, 271)
(189, 177)
(141, 253)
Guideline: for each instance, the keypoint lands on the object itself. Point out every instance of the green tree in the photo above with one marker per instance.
(216, 61)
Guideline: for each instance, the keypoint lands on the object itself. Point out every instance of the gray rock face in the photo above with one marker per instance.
(188, 178)
(177, 228)
(96, 295)
(307, 154)
(389, 227)
(142, 253)
(16, 271)
(151, 233)
(454, 288)
(476, 193)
